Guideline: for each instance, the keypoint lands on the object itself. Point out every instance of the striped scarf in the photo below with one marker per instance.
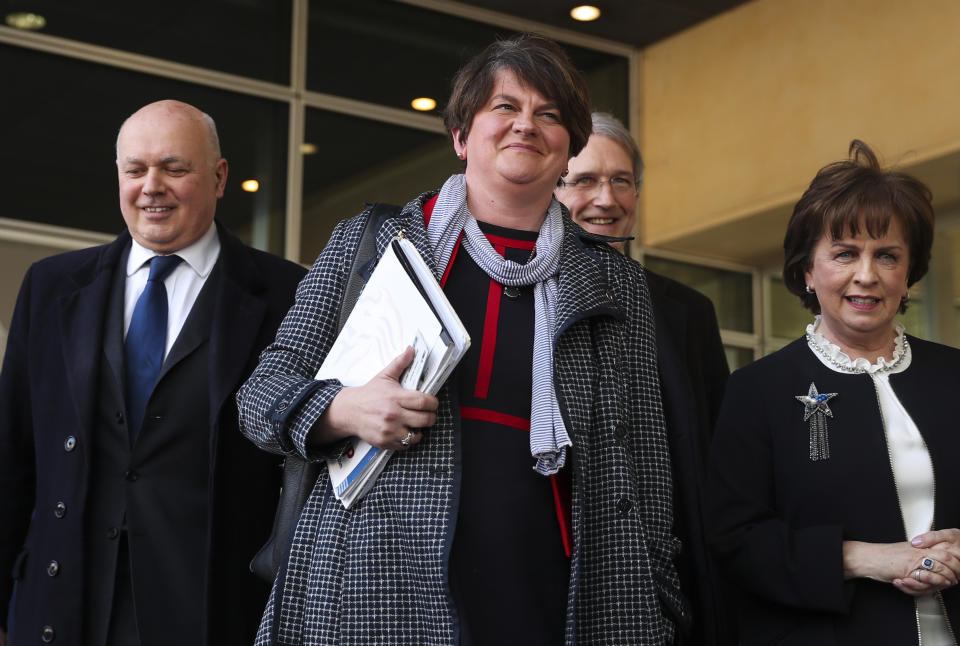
(548, 435)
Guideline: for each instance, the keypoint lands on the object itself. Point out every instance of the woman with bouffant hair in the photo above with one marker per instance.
(529, 502)
(846, 195)
(835, 498)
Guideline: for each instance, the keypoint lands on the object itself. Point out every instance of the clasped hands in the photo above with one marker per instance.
(381, 412)
(938, 565)
(923, 566)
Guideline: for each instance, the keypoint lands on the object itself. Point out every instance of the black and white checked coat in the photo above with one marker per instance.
(377, 574)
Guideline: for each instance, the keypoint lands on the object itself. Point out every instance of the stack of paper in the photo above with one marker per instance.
(401, 305)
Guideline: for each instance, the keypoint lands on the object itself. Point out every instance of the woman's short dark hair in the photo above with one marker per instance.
(536, 61)
(850, 194)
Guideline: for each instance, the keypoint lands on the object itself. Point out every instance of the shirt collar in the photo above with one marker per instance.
(200, 256)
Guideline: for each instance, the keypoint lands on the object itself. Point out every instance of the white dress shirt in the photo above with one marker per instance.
(183, 284)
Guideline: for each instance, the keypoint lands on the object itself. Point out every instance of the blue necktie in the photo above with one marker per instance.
(146, 341)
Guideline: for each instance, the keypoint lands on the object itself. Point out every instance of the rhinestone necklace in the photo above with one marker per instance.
(842, 367)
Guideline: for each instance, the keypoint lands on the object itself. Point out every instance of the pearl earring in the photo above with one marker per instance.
(810, 290)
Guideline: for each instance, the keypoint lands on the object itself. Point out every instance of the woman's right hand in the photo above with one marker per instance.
(381, 412)
(898, 563)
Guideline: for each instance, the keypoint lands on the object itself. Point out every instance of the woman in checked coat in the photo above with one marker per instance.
(530, 501)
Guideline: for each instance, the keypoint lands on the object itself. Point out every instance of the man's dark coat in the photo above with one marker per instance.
(49, 397)
(693, 374)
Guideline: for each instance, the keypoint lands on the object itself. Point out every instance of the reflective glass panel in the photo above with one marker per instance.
(61, 118)
(244, 37)
(730, 291)
(921, 311)
(737, 357)
(390, 53)
(358, 161)
(788, 317)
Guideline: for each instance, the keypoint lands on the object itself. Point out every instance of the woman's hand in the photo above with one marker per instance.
(902, 564)
(382, 412)
(943, 546)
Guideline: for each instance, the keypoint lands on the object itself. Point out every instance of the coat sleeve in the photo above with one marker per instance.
(799, 567)
(17, 476)
(281, 401)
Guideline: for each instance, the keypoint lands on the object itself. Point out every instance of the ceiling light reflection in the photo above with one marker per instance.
(423, 104)
(585, 13)
(26, 20)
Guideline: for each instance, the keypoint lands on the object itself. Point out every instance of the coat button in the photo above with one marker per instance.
(112, 532)
(624, 505)
(69, 444)
(131, 475)
(53, 568)
(47, 634)
(119, 416)
(60, 510)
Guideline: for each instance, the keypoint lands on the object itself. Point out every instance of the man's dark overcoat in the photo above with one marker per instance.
(693, 374)
(48, 399)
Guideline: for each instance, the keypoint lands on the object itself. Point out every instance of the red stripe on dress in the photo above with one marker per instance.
(495, 417)
(427, 212)
(561, 503)
(488, 345)
(500, 243)
(428, 209)
(453, 256)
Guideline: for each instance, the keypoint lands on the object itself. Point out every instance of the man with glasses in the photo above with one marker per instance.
(601, 191)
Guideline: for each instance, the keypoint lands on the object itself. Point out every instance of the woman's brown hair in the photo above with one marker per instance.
(847, 195)
(536, 61)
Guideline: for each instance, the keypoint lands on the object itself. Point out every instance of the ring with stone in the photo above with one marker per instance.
(927, 563)
(916, 574)
(406, 441)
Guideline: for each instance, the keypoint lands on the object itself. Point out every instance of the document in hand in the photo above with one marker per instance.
(402, 304)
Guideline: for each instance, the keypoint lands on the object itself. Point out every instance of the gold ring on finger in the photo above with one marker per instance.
(916, 574)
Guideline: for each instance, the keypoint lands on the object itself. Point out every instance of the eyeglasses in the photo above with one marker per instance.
(588, 184)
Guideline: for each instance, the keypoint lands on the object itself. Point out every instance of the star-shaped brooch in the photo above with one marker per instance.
(816, 410)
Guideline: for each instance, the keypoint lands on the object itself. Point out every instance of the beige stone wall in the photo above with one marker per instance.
(738, 113)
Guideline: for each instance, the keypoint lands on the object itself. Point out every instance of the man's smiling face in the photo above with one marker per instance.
(590, 194)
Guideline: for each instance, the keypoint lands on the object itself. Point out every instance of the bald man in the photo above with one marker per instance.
(130, 505)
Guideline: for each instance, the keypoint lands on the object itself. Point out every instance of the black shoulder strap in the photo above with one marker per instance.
(299, 476)
(366, 250)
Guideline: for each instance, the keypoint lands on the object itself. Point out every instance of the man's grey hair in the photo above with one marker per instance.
(607, 125)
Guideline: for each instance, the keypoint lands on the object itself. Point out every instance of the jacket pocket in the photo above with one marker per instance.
(673, 602)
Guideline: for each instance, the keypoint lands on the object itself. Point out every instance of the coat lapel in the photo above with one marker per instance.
(82, 312)
(196, 329)
(238, 314)
(582, 289)
(113, 327)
